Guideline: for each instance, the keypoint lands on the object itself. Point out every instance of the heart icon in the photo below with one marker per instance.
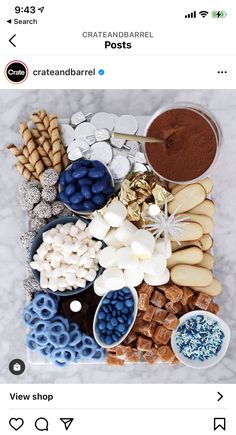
(16, 423)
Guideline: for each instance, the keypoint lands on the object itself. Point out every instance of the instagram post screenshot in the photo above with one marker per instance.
(117, 217)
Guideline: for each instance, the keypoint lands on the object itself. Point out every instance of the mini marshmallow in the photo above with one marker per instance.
(157, 279)
(43, 280)
(72, 268)
(74, 231)
(81, 272)
(58, 240)
(99, 286)
(62, 283)
(91, 275)
(81, 225)
(81, 250)
(126, 259)
(125, 233)
(113, 278)
(80, 282)
(71, 279)
(143, 244)
(98, 227)
(73, 259)
(37, 265)
(97, 246)
(111, 240)
(42, 251)
(88, 263)
(108, 257)
(133, 277)
(48, 236)
(154, 265)
(65, 229)
(163, 247)
(115, 214)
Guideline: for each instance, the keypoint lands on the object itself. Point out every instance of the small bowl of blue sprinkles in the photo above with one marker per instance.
(201, 339)
(115, 316)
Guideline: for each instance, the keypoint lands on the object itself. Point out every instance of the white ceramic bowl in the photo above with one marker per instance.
(106, 346)
(196, 364)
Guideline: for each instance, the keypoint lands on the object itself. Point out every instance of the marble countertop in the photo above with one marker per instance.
(16, 105)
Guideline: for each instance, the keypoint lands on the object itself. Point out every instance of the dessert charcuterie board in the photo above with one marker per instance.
(119, 238)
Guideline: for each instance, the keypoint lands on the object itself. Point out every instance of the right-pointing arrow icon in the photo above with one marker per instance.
(220, 396)
(67, 422)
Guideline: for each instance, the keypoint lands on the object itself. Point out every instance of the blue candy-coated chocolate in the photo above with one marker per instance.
(85, 181)
(78, 207)
(96, 173)
(114, 321)
(101, 315)
(68, 176)
(80, 172)
(76, 198)
(64, 198)
(98, 164)
(98, 187)
(119, 305)
(99, 199)
(109, 340)
(62, 179)
(86, 192)
(108, 190)
(129, 303)
(121, 327)
(70, 189)
(89, 206)
(86, 163)
(102, 325)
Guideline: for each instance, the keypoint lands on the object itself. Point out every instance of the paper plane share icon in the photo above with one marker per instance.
(67, 422)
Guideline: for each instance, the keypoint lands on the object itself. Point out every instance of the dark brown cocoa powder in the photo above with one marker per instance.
(190, 146)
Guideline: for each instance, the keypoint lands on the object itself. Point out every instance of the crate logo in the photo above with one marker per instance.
(16, 71)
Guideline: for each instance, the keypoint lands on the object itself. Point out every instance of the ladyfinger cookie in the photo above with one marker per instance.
(191, 276)
(192, 255)
(187, 198)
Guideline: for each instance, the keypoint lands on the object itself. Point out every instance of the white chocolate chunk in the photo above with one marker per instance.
(115, 214)
(143, 244)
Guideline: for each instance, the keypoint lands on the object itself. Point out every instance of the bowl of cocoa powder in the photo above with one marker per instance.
(192, 139)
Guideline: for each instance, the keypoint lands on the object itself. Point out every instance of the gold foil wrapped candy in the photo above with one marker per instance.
(138, 191)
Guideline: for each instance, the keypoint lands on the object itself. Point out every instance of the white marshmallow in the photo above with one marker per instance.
(81, 225)
(99, 286)
(65, 229)
(154, 265)
(80, 282)
(42, 251)
(74, 231)
(157, 279)
(115, 214)
(98, 227)
(125, 233)
(108, 257)
(133, 277)
(111, 240)
(91, 275)
(143, 244)
(81, 272)
(81, 250)
(43, 280)
(163, 247)
(113, 278)
(126, 259)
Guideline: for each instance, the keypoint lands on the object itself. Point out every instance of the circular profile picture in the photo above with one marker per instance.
(16, 71)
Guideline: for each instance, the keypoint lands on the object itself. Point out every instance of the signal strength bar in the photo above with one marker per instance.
(191, 15)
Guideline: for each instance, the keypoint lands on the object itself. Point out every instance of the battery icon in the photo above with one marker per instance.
(218, 14)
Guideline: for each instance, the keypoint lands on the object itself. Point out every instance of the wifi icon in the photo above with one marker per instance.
(203, 14)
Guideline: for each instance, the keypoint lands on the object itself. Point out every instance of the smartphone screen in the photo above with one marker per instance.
(117, 217)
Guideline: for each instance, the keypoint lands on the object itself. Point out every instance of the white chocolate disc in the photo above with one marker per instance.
(134, 147)
(103, 120)
(126, 124)
(78, 143)
(83, 130)
(77, 118)
(119, 167)
(101, 151)
(68, 134)
(74, 154)
(118, 143)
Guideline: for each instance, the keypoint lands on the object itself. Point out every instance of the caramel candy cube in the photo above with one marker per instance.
(159, 315)
(138, 324)
(133, 355)
(120, 350)
(171, 322)
(131, 337)
(114, 361)
(162, 335)
(144, 343)
(191, 303)
(203, 301)
(187, 294)
(151, 357)
(143, 301)
(158, 299)
(148, 315)
(173, 308)
(213, 308)
(165, 353)
(146, 288)
(163, 287)
(148, 329)
(174, 362)
(174, 293)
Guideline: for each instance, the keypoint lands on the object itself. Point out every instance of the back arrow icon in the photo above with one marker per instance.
(10, 40)
(220, 396)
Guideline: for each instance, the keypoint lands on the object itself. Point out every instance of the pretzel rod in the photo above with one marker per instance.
(21, 157)
(39, 125)
(45, 120)
(56, 143)
(34, 156)
(47, 162)
(24, 171)
(47, 146)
